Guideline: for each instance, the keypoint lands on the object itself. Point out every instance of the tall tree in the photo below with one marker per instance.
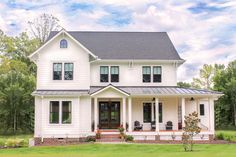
(184, 84)
(225, 81)
(43, 25)
(205, 78)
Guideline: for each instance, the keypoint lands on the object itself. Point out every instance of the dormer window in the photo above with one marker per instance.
(63, 43)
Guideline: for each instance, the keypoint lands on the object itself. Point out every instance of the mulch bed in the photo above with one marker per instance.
(180, 142)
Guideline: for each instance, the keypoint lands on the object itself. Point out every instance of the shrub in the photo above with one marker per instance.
(98, 134)
(129, 138)
(12, 143)
(90, 139)
(2, 143)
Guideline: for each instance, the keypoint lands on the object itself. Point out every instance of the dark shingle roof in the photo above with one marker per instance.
(127, 45)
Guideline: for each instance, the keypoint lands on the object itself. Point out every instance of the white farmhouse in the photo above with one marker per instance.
(100, 80)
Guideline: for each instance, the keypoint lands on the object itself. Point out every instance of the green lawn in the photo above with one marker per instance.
(122, 150)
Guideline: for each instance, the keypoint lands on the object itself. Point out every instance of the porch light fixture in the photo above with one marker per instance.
(192, 99)
(153, 99)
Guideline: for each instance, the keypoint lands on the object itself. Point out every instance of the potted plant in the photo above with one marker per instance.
(121, 130)
(98, 134)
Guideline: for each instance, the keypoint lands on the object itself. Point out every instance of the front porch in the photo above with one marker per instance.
(153, 118)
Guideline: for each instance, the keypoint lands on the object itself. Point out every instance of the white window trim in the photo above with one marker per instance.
(62, 71)
(109, 74)
(152, 103)
(60, 114)
(152, 74)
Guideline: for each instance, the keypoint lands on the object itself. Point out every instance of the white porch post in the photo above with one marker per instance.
(130, 114)
(211, 115)
(157, 114)
(124, 111)
(183, 111)
(152, 112)
(95, 113)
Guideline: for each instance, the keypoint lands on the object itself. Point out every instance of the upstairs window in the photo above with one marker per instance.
(114, 74)
(202, 110)
(54, 112)
(146, 74)
(104, 72)
(57, 71)
(68, 71)
(63, 43)
(66, 112)
(157, 74)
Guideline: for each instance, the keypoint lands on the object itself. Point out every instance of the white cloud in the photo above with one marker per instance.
(199, 38)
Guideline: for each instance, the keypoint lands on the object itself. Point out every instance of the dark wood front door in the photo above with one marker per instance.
(109, 115)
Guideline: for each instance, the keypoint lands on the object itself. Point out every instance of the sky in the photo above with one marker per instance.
(203, 31)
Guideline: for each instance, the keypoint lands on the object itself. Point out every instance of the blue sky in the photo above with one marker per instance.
(202, 31)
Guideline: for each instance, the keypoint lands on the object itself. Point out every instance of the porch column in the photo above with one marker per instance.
(124, 111)
(183, 111)
(153, 112)
(130, 114)
(95, 113)
(157, 114)
(211, 115)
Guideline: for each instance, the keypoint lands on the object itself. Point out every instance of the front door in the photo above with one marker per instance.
(109, 115)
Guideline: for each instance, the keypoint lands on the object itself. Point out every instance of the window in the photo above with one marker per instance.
(160, 112)
(68, 71)
(54, 112)
(57, 71)
(66, 112)
(147, 112)
(202, 110)
(156, 74)
(63, 43)
(104, 71)
(114, 74)
(146, 74)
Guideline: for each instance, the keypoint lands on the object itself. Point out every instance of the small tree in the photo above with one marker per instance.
(190, 130)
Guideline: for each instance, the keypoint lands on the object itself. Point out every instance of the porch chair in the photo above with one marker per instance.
(169, 125)
(138, 126)
(153, 125)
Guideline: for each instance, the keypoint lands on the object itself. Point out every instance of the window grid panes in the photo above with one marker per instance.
(157, 74)
(66, 112)
(146, 74)
(114, 74)
(63, 43)
(57, 71)
(104, 72)
(68, 71)
(54, 112)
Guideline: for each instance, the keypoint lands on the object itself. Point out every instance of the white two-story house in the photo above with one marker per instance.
(101, 80)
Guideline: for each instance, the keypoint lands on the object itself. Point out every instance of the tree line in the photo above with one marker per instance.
(18, 79)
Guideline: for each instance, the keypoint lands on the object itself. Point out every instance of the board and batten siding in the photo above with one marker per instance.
(52, 53)
(133, 76)
(80, 123)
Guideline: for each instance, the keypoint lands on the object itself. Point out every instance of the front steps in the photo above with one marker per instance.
(110, 136)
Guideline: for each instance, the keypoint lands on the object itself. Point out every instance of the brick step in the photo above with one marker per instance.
(110, 136)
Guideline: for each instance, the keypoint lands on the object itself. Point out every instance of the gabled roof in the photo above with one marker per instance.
(127, 45)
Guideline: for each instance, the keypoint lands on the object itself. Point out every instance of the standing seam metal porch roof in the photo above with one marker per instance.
(131, 91)
(126, 45)
(138, 90)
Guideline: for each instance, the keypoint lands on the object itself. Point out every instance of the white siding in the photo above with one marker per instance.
(53, 53)
(38, 117)
(133, 76)
(170, 112)
(81, 122)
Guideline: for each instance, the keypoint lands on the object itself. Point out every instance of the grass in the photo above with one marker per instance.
(228, 135)
(122, 150)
